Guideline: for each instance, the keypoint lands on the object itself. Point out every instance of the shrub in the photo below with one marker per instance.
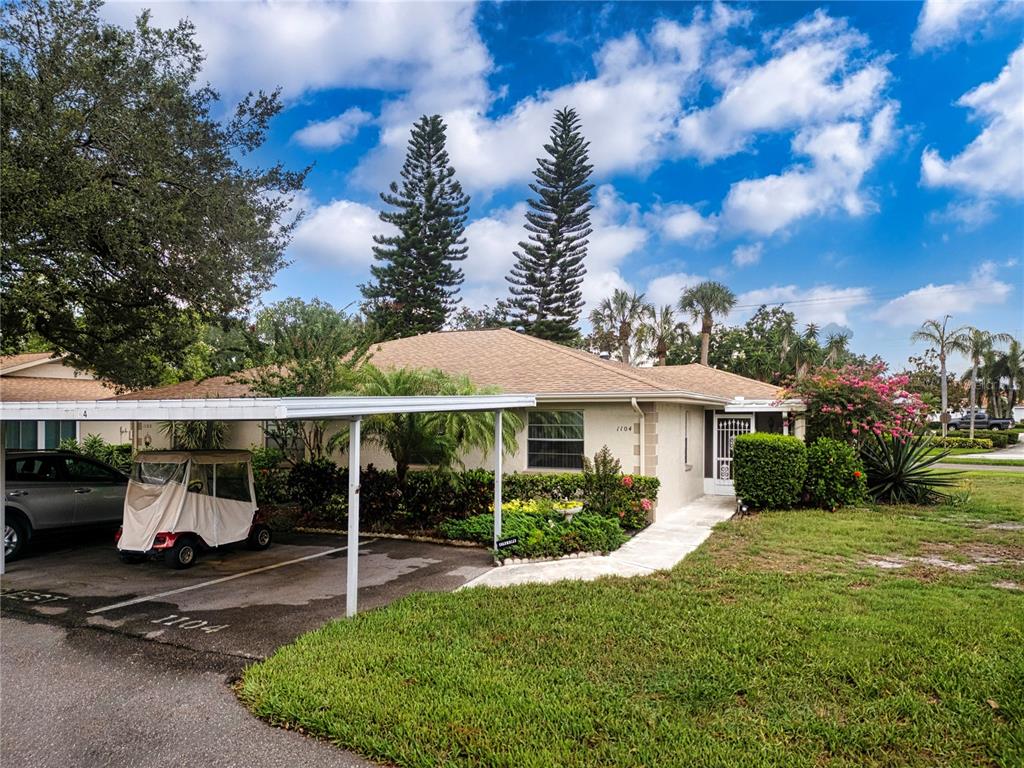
(1000, 438)
(902, 471)
(117, 455)
(270, 476)
(540, 533)
(835, 475)
(609, 493)
(769, 469)
(311, 484)
(961, 442)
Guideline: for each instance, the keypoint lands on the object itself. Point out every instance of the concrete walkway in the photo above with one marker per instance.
(659, 546)
(1015, 451)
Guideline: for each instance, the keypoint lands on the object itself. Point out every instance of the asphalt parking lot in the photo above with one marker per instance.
(99, 659)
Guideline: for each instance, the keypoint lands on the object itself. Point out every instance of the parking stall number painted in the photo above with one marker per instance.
(31, 596)
(185, 622)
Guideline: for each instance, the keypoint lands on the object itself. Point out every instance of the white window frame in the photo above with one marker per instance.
(583, 416)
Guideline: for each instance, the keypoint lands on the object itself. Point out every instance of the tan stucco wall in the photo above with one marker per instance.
(680, 470)
(111, 431)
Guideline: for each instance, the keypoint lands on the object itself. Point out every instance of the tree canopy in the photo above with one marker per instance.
(129, 218)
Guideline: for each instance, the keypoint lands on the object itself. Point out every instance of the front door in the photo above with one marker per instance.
(727, 428)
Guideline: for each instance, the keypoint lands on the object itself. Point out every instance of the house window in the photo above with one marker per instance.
(686, 437)
(555, 440)
(33, 435)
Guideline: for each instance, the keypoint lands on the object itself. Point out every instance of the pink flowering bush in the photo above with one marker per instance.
(854, 403)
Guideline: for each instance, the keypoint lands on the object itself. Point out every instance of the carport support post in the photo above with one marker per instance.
(498, 446)
(352, 554)
(3, 497)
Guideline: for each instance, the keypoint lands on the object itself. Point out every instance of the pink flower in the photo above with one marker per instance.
(627, 480)
(646, 504)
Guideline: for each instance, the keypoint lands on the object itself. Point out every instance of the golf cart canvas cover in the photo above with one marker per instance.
(205, 492)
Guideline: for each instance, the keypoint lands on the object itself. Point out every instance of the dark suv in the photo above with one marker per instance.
(51, 490)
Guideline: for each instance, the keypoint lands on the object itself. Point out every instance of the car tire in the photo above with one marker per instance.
(17, 532)
(132, 558)
(260, 537)
(183, 554)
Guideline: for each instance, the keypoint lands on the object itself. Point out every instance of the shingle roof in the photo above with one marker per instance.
(517, 364)
(32, 388)
(700, 378)
(7, 362)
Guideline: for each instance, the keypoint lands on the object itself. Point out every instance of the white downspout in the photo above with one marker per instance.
(643, 432)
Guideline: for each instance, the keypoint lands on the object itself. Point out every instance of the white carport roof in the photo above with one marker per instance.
(273, 409)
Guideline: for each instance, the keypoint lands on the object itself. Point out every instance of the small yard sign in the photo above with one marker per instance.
(509, 542)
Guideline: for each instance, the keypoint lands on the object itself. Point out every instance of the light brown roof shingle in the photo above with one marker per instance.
(23, 389)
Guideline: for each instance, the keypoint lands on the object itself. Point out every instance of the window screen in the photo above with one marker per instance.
(233, 481)
(21, 434)
(555, 440)
(157, 473)
(200, 479)
(55, 431)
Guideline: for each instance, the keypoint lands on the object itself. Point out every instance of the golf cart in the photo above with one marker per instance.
(182, 502)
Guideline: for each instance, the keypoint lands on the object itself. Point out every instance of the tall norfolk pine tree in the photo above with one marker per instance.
(416, 281)
(545, 281)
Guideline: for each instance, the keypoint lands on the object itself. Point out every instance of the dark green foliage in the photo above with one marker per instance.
(416, 282)
(835, 475)
(195, 435)
(131, 215)
(903, 471)
(270, 475)
(1000, 437)
(769, 470)
(118, 455)
(312, 484)
(602, 483)
(546, 280)
(981, 444)
(430, 497)
(540, 534)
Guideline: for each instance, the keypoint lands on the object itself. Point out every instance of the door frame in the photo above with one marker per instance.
(715, 485)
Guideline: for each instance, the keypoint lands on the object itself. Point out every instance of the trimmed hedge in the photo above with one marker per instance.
(961, 442)
(430, 497)
(835, 475)
(769, 469)
(540, 534)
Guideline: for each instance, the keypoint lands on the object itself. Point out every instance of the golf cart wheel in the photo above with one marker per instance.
(132, 558)
(259, 537)
(16, 533)
(183, 554)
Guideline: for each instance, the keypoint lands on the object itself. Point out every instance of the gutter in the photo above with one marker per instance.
(643, 433)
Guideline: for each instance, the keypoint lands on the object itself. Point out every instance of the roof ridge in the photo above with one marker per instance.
(589, 358)
(733, 374)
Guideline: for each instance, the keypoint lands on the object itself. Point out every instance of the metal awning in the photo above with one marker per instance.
(351, 409)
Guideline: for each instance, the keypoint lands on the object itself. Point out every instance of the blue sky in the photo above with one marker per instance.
(863, 162)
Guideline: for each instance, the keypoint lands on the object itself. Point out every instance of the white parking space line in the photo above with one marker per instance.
(221, 580)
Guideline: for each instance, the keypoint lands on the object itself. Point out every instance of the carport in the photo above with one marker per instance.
(348, 409)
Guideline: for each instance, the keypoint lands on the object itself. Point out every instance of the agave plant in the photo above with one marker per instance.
(902, 471)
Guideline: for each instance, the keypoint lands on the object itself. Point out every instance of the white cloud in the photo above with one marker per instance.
(747, 255)
(814, 76)
(628, 109)
(304, 47)
(943, 22)
(491, 240)
(992, 164)
(821, 304)
(984, 289)
(841, 154)
(681, 222)
(667, 289)
(340, 232)
(331, 133)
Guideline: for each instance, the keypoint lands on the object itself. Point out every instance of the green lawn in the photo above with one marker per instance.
(775, 644)
(959, 451)
(986, 462)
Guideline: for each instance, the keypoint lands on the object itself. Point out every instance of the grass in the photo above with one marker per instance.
(959, 451)
(774, 644)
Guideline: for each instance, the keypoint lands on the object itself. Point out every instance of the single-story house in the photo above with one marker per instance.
(676, 423)
(40, 376)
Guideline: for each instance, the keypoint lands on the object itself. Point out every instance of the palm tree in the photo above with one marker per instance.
(437, 439)
(195, 435)
(702, 302)
(806, 350)
(976, 345)
(661, 331)
(621, 316)
(1013, 369)
(934, 333)
(837, 347)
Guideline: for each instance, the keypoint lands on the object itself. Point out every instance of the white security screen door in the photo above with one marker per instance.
(727, 429)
